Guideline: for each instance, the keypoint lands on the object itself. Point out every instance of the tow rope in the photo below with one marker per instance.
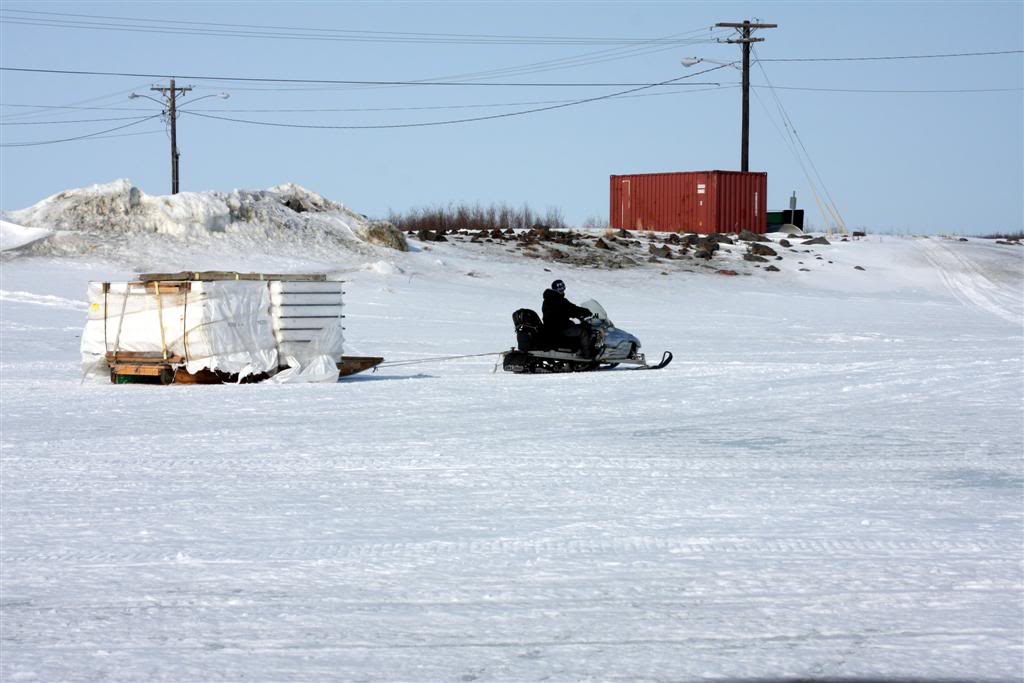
(434, 359)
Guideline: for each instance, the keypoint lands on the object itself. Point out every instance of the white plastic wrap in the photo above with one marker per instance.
(242, 327)
(308, 327)
(223, 326)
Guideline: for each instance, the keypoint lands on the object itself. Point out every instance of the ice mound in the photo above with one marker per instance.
(15, 236)
(383, 268)
(118, 219)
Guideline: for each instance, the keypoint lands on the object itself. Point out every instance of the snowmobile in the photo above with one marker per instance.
(537, 352)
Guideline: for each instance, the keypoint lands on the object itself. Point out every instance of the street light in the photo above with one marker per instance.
(136, 96)
(693, 61)
(220, 95)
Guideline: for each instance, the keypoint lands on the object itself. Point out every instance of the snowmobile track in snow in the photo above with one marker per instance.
(849, 549)
(966, 280)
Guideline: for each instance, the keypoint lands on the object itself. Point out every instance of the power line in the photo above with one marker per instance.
(97, 98)
(559, 105)
(455, 121)
(161, 131)
(587, 59)
(321, 110)
(911, 92)
(87, 21)
(871, 59)
(79, 137)
(68, 106)
(787, 121)
(305, 37)
(436, 107)
(355, 109)
(317, 29)
(47, 123)
(244, 79)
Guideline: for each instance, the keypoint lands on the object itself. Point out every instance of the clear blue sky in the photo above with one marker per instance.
(920, 162)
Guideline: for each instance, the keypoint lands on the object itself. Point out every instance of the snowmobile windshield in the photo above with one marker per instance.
(595, 308)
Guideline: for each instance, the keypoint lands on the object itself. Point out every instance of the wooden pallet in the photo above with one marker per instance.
(218, 275)
(154, 368)
(129, 367)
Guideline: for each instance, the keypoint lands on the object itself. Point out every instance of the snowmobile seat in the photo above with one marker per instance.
(529, 331)
(580, 341)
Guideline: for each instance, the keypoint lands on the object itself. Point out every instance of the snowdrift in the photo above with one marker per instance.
(16, 236)
(119, 220)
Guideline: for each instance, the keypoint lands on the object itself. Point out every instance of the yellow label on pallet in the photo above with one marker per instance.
(95, 307)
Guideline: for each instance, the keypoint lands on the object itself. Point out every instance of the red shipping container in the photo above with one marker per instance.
(697, 201)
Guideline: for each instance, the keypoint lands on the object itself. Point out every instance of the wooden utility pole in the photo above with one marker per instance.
(745, 29)
(171, 95)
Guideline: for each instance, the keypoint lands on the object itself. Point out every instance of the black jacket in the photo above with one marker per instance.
(557, 311)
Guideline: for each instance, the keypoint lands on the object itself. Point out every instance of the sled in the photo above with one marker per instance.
(350, 365)
(154, 368)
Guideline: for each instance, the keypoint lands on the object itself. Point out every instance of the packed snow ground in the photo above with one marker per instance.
(826, 483)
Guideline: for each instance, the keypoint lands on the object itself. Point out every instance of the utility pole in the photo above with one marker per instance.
(171, 95)
(745, 29)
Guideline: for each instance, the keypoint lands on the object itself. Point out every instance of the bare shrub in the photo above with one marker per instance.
(475, 217)
(595, 222)
(1019, 235)
(553, 217)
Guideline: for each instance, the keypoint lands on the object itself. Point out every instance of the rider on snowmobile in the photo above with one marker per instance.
(557, 311)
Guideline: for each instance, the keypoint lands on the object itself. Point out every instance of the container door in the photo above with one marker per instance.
(704, 199)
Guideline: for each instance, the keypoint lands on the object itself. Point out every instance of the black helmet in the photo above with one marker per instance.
(558, 286)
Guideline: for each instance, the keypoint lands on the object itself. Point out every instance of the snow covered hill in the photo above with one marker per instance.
(117, 220)
(825, 484)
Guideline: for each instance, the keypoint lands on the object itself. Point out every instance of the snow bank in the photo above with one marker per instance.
(118, 219)
(15, 236)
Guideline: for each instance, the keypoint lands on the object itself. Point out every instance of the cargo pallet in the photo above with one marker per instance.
(155, 368)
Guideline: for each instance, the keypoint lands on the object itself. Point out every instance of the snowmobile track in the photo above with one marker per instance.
(525, 363)
(845, 549)
(970, 284)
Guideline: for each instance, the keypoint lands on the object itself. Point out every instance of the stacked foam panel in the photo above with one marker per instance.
(307, 318)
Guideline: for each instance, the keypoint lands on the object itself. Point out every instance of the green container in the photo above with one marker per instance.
(793, 217)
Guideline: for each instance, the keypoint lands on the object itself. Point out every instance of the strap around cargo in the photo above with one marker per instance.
(160, 318)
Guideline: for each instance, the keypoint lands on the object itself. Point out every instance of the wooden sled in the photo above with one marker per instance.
(350, 365)
(153, 368)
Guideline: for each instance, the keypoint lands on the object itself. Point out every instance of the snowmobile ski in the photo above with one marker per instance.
(666, 358)
(546, 362)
